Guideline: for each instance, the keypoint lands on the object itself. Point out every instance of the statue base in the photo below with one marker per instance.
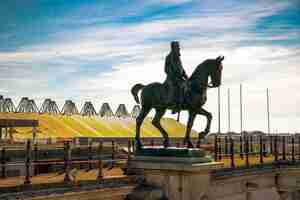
(181, 173)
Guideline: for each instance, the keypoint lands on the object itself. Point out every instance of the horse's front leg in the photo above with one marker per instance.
(187, 139)
(208, 116)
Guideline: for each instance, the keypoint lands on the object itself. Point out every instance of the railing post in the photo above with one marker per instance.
(133, 146)
(113, 152)
(261, 158)
(271, 144)
(264, 149)
(226, 145)
(283, 148)
(216, 148)
(232, 152)
(275, 148)
(152, 143)
(28, 163)
(251, 143)
(100, 163)
(247, 150)
(3, 162)
(49, 140)
(293, 149)
(298, 147)
(220, 148)
(90, 155)
(35, 150)
(129, 150)
(67, 162)
(241, 148)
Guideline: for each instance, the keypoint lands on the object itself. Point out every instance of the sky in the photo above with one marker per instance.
(97, 50)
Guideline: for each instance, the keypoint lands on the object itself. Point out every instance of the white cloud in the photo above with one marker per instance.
(135, 53)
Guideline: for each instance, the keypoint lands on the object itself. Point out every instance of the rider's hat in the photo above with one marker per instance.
(174, 44)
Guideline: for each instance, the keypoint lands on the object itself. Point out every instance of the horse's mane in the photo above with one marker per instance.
(201, 66)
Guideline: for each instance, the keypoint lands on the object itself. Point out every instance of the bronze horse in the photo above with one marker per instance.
(155, 95)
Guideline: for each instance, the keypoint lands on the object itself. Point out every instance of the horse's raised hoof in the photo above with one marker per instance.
(202, 135)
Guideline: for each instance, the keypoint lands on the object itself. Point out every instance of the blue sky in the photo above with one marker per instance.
(96, 50)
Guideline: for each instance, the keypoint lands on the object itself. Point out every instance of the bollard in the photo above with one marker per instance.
(216, 148)
(90, 153)
(28, 163)
(241, 148)
(3, 163)
(261, 158)
(67, 162)
(100, 163)
(293, 149)
(232, 152)
(247, 150)
(283, 148)
(35, 150)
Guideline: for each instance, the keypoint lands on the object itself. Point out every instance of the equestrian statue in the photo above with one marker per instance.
(178, 92)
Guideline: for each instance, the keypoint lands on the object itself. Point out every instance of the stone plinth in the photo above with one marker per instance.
(182, 174)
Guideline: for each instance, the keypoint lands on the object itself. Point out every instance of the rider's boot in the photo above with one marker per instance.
(178, 103)
(177, 108)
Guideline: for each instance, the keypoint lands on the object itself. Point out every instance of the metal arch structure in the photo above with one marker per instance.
(8, 105)
(135, 111)
(50, 107)
(1, 103)
(69, 108)
(88, 109)
(27, 105)
(122, 111)
(106, 111)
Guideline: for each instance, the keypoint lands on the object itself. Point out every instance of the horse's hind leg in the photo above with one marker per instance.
(156, 122)
(139, 120)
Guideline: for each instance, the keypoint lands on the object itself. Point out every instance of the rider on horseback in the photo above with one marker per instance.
(176, 77)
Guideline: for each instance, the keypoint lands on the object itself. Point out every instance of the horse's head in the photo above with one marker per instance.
(215, 71)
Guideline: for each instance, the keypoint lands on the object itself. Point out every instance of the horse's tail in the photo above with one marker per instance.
(135, 90)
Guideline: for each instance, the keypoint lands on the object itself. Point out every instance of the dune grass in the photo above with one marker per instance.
(78, 126)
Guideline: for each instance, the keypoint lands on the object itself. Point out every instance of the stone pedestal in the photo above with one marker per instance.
(182, 174)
